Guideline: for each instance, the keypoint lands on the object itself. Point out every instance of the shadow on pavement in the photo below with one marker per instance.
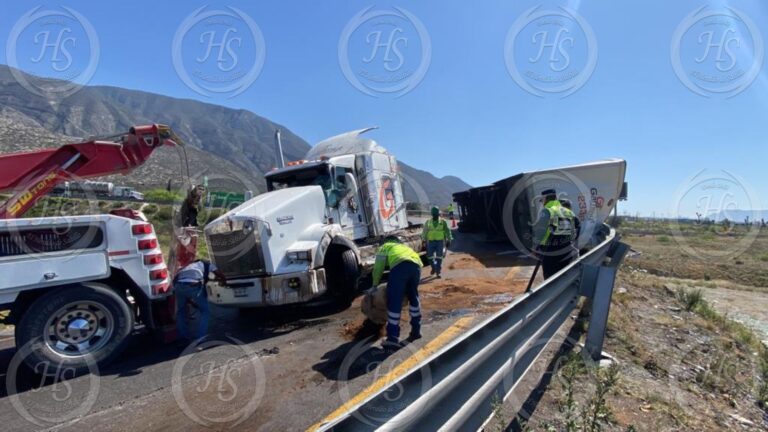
(355, 358)
(144, 350)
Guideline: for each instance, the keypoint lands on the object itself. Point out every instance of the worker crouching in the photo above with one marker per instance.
(189, 285)
(404, 275)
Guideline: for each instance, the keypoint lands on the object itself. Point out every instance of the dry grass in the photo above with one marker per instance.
(683, 365)
(700, 252)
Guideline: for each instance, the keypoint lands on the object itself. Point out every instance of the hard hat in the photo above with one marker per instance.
(393, 238)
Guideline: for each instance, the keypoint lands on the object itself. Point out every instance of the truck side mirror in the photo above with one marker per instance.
(351, 184)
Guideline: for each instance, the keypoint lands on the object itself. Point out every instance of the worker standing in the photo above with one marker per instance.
(190, 284)
(191, 206)
(404, 274)
(554, 235)
(566, 203)
(437, 236)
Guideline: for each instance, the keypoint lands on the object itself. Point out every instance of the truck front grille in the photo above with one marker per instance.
(237, 253)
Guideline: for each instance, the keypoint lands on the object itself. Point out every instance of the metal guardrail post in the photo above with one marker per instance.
(597, 285)
(454, 389)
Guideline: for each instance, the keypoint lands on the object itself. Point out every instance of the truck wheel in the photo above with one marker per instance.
(74, 326)
(344, 276)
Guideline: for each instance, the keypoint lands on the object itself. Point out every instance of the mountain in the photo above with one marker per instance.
(228, 145)
(739, 216)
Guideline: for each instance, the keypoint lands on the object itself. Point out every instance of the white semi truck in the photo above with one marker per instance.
(315, 231)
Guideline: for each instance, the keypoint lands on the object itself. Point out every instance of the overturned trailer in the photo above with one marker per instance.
(507, 209)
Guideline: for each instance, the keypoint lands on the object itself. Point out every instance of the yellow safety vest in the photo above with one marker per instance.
(391, 254)
(560, 222)
(436, 230)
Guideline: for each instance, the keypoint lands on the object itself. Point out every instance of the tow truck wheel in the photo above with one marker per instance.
(75, 327)
(343, 277)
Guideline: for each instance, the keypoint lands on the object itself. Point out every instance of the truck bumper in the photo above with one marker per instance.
(274, 290)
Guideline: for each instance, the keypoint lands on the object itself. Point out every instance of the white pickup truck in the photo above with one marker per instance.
(315, 231)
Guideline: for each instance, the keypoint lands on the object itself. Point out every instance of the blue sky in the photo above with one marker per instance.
(467, 116)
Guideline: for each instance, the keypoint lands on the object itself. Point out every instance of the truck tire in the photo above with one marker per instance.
(344, 276)
(74, 328)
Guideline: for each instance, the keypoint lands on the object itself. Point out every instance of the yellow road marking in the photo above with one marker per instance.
(460, 326)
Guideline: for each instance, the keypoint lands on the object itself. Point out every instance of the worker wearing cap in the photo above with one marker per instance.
(450, 211)
(553, 235)
(404, 274)
(437, 236)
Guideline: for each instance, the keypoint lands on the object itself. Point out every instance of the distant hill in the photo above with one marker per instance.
(222, 142)
(739, 215)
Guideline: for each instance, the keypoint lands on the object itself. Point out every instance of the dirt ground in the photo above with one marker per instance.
(677, 371)
(740, 256)
(474, 280)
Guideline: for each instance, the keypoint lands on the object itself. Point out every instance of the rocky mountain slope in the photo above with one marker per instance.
(222, 142)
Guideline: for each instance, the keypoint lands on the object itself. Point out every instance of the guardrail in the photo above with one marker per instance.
(455, 388)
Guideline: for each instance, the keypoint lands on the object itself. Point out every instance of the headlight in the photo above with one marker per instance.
(304, 255)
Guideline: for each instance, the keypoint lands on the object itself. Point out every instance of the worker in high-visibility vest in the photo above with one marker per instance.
(566, 203)
(554, 235)
(438, 237)
(403, 282)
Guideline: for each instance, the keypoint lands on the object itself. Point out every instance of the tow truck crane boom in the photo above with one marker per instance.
(30, 175)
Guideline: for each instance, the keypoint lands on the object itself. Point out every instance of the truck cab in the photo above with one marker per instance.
(343, 202)
(316, 228)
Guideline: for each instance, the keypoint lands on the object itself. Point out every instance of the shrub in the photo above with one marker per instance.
(663, 239)
(690, 298)
(163, 214)
(162, 195)
(150, 209)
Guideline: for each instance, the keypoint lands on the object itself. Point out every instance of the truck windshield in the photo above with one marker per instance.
(314, 176)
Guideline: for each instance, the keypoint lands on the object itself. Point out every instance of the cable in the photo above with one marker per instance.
(184, 163)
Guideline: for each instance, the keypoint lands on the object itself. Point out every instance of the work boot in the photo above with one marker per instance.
(414, 337)
(438, 275)
(432, 273)
(391, 346)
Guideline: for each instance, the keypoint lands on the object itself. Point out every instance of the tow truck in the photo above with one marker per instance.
(75, 286)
